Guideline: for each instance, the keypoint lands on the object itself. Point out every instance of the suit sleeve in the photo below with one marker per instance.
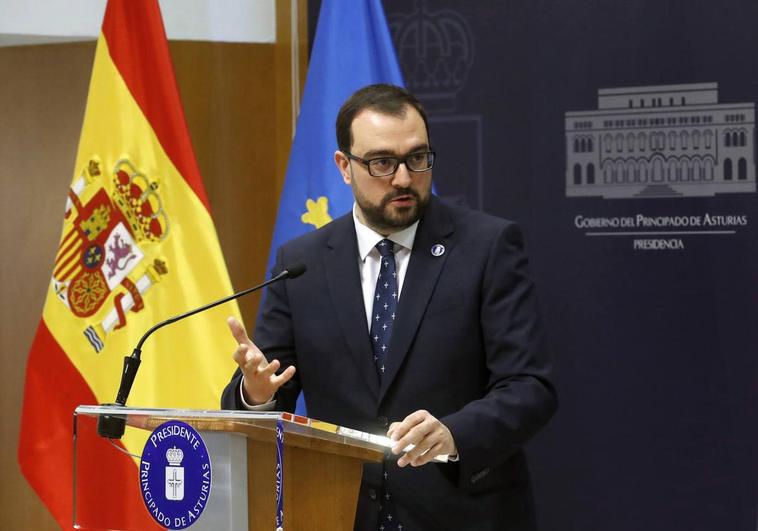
(519, 396)
(275, 337)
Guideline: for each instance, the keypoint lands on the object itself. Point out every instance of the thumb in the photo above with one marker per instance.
(238, 331)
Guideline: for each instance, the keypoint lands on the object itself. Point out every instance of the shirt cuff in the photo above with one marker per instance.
(267, 406)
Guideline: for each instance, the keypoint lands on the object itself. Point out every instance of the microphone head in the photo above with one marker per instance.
(295, 270)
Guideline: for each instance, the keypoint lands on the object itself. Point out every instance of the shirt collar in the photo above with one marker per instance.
(368, 238)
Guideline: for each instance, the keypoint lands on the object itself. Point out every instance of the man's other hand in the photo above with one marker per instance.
(428, 435)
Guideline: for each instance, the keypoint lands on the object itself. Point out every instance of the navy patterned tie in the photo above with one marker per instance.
(382, 319)
(385, 304)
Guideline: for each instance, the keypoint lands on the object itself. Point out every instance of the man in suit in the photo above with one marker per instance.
(416, 319)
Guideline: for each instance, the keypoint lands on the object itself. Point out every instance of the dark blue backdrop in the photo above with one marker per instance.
(657, 349)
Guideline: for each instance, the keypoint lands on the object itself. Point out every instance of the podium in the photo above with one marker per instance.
(322, 466)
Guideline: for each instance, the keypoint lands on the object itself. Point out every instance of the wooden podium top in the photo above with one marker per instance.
(299, 432)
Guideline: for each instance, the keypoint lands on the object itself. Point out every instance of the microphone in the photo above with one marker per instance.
(112, 426)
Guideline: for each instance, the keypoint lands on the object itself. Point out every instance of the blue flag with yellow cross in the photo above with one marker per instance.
(352, 49)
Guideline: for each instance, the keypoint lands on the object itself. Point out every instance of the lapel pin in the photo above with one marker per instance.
(438, 249)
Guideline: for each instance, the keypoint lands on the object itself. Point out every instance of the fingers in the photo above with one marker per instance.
(238, 331)
(422, 437)
(400, 431)
(253, 364)
(426, 433)
(283, 378)
(250, 359)
(263, 369)
(268, 370)
(260, 381)
(421, 454)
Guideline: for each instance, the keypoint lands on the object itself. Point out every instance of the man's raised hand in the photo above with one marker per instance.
(259, 378)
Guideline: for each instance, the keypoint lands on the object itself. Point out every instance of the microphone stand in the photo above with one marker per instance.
(113, 426)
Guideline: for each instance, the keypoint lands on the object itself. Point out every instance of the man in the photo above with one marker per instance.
(414, 318)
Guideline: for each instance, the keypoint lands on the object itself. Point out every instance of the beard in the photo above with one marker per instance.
(384, 217)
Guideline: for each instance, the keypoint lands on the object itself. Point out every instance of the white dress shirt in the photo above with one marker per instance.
(369, 259)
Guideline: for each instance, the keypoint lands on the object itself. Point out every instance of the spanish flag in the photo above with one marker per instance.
(138, 245)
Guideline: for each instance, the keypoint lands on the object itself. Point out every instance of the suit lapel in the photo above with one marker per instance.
(423, 271)
(341, 263)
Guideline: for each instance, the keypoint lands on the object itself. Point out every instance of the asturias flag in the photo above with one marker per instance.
(138, 245)
(352, 48)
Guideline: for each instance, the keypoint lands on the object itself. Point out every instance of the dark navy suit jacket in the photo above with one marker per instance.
(466, 347)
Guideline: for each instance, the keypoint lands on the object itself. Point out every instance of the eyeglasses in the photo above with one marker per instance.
(383, 166)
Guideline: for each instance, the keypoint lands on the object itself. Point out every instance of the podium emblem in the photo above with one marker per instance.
(175, 475)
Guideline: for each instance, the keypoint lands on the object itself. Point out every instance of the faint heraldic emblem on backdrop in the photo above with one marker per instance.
(435, 48)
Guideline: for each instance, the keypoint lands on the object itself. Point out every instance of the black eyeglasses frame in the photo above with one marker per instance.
(431, 155)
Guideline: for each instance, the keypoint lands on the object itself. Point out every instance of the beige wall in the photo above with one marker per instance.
(237, 101)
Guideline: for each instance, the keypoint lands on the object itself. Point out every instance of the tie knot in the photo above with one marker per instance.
(385, 248)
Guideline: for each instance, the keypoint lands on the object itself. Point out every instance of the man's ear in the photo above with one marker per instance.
(343, 165)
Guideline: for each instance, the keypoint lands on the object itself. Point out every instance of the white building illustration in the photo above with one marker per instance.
(660, 141)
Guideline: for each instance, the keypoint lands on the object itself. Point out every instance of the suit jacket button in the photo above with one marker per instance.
(372, 494)
(479, 475)
(384, 422)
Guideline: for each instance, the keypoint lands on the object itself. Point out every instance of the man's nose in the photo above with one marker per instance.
(402, 177)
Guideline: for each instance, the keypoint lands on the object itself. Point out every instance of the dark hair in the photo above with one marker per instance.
(386, 99)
